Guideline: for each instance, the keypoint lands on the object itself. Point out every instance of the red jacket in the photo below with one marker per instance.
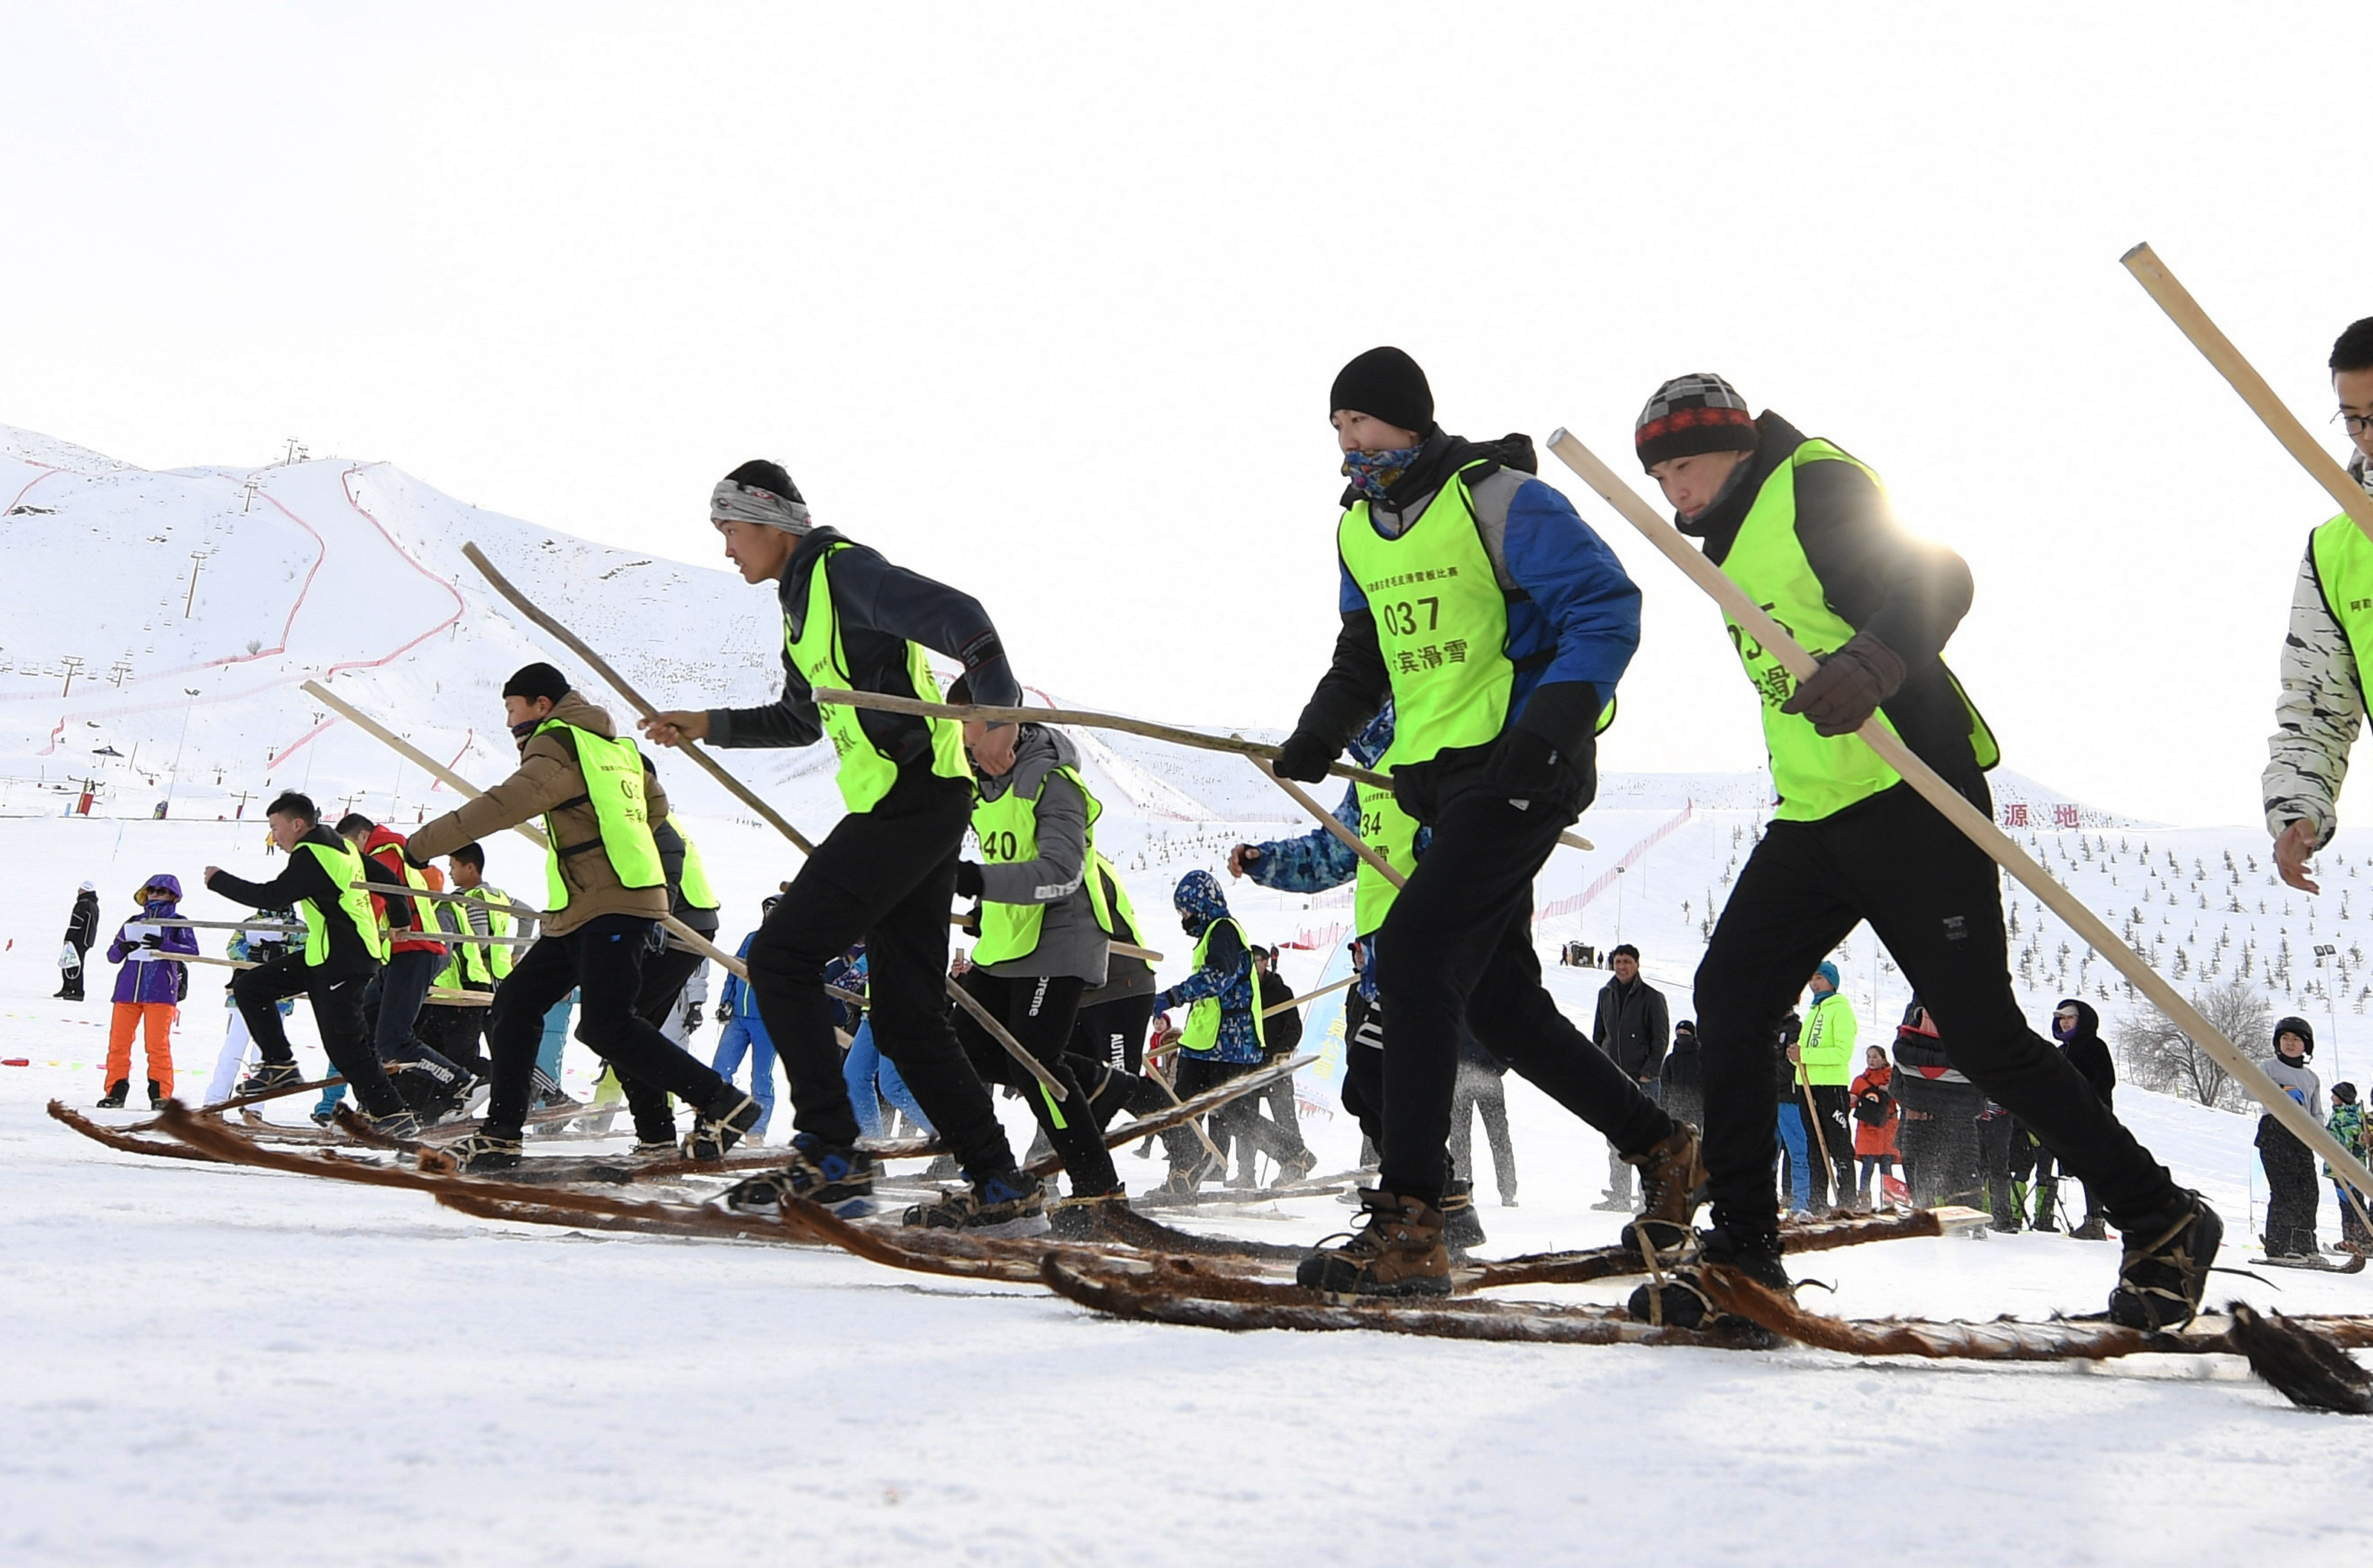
(1879, 1139)
(384, 847)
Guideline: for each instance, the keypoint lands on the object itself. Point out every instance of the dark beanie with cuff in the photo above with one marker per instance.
(1689, 414)
(537, 680)
(1386, 384)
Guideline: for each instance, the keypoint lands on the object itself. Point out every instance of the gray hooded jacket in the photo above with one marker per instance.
(1070, 940)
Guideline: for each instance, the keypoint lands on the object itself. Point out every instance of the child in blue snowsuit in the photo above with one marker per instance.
(745, 1035)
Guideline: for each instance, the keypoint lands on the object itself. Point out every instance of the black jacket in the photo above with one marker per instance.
(1684, 1064)
(1633, 1026)
(82, 926)
(881, 608)
(1907, 592)
(1281, 1030)
(304, 877)
(2088, 1053)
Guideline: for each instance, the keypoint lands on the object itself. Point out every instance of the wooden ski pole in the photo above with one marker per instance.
(2218, 350)
(1343, 835)
(617, 682)
(1757, 623)
(1258, 751)
(468, 791)
(748, 797)
(1820, 1138)
(1328, 990)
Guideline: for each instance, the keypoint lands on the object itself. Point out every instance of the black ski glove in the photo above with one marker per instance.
(153, 942)
(1840, 696)
(1523, 766)
(968, 880)
(1303, 759)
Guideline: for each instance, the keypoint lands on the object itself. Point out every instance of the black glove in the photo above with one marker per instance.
(971, 926)
(1303, 759)
(968, 880)
(152, 941)
(1840, 696)
(1523, 766)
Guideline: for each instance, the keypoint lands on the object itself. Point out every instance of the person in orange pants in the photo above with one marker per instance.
(148, 990)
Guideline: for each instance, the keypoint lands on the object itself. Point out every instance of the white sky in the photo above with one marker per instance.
(1046, 299)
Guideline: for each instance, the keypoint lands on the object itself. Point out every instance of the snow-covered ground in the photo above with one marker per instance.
(220, 1366)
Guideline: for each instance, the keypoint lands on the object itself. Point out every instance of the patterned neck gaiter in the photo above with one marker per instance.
(1372, 474)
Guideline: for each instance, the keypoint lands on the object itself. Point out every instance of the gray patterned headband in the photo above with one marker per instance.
(731, 502)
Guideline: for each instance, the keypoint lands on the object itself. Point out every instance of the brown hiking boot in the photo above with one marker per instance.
(1671, 1171)
(1397, 1251)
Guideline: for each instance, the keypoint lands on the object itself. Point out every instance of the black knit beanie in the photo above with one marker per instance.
(537, 680)
(1385, 383)
(1691, 415)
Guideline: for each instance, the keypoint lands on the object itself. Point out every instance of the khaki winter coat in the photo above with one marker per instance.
(548, 774)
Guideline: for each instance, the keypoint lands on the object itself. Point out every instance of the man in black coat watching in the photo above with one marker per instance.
(1634, 1028)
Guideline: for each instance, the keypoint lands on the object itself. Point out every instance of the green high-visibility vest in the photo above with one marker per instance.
(451, 925)
(863, 772)
(345, 865)
(1007, 830)
(1115, 913)
(613, 783)
(1391, 833)
(694, 881)
(1816, 775)
(1825, 1045)
(483, 964)
(1442, 624)
(2344, 569)
(1442, 621)
(1202, 1030)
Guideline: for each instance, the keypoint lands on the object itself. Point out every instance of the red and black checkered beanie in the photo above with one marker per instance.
(1691, 415)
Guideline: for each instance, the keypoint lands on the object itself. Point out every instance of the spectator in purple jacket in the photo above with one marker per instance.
(148, 990)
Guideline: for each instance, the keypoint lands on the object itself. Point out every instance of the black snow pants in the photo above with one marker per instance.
(1935, 900)
(887, 877)
(1458, 945)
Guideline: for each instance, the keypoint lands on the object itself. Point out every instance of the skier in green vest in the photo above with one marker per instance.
(1825, 1060)
(886, 873)
(1039, 947)
(606, 889)
(342, 950)
(1475, 597)
(1807, 531)
(2322, 705)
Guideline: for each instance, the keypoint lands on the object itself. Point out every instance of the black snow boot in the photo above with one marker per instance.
(1012, 1204)
(721, 1124)
(484, 1151)
(269, 1075)
(1094, 1216)
(117, 1092)
(2165, 1270)
(156, 1095)
(1462, 1227)
(1682, 1301)
(837, 1175)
